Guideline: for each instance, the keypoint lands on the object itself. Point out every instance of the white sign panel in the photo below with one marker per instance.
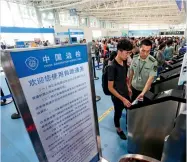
(56, 85)
(183, 74)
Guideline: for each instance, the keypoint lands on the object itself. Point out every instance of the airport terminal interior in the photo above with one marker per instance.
(93, 80)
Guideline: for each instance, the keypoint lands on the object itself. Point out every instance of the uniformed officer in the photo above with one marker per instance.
(143, 69)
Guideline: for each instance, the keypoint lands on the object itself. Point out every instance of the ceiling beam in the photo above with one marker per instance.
(137, 15)
(130, 3)
(142, 18)
(151, 10)
(127, 11)
(144, 21)
(149, 23)
(58, 3)
(66, 6)
(23, 2)
(132, 7)
(176, 19)
(128, 20)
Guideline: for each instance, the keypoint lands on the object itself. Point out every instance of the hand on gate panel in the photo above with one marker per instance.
(140, 97)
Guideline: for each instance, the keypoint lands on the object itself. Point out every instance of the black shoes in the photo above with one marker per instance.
(122, 135)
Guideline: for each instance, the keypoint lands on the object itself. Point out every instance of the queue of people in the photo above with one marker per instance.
(169, 47)
(132, 68)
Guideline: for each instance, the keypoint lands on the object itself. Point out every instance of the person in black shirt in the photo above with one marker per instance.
(117, 82)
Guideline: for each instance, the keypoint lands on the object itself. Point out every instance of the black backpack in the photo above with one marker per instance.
(105, 81)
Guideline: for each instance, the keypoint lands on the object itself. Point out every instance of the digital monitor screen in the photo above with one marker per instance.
(74, 39)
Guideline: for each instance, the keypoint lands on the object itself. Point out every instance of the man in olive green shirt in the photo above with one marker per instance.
(143, 69)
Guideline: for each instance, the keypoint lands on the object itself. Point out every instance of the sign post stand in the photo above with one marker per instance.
(17, 114)
(54, 91)
(98, 98)
(94, 72)
(5, 100)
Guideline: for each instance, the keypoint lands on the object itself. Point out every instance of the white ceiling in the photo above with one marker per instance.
(119, 11)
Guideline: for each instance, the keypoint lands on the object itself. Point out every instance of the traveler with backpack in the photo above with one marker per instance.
(117, 83)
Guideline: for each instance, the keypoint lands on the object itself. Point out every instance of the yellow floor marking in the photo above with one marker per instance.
(105, 114)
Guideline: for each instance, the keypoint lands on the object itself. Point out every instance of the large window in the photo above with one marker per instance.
(66, 19)
(13, 14)
(94, 22)
(6, 17)
(16, 14)
(32, 15)
(48, 19)
(24, 11)
(29, 17)
(108, 25)
(102, 24)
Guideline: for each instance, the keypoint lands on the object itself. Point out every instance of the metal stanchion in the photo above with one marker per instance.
(15, 115)
(95, 78)
(5, 99)
(94, 73)
(98, 98)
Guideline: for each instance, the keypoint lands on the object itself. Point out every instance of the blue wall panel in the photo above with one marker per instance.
(4, 29)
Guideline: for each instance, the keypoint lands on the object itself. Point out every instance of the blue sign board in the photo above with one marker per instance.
(20, 44)
(62, 33)
(76, 33)
(38, 61)
(57, 88)
(71, 33)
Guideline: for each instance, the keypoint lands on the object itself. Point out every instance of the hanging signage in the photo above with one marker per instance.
(179, 4)
(53, 90)
(76, 32)
(183, 74)
(172, 33)
(62, 33)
